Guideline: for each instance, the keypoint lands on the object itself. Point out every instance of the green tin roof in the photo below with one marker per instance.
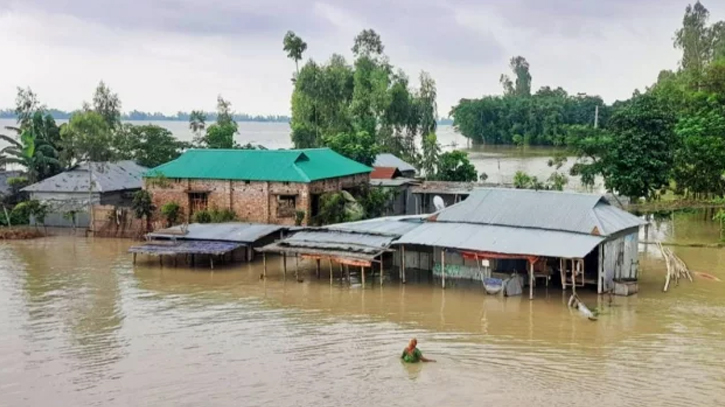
(260, 165)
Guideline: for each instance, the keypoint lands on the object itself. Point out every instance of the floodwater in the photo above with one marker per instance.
(81, 326)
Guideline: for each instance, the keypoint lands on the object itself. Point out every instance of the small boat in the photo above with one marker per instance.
(492, 285)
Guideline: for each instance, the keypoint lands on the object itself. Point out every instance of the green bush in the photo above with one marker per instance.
(299, 217)
(202, 216)
(171, 212)
(223, 215)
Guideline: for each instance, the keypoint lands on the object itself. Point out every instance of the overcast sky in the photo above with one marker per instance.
(170, 55)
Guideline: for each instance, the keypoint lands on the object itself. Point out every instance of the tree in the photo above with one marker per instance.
(358, 146)
(108, 105)
(522, 85)
(700, 161)
(87, 137)
(38, 157)
(26, 106)
(454, 166)
(294, 46)
(431, 155)
(426, 104)
(197, 122)
(171, 212)
(368, 43)
(150, 145)
(220, 136)
(639, 159)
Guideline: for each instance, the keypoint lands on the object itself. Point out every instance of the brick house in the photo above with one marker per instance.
(260, 186)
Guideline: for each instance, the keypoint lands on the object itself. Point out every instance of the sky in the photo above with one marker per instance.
(178, 55)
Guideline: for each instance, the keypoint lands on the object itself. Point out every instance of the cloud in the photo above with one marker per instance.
(170, 55)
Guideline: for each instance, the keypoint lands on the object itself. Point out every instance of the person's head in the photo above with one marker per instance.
(413, 343)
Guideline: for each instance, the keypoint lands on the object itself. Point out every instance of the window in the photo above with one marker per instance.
(198, 201)
(286, 206)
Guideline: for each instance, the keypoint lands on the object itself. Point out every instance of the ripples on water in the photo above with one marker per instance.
(79, 326)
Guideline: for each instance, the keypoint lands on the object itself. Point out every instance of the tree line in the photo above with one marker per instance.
(136, 115)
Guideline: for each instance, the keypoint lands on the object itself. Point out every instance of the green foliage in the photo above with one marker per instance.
(294, 47)
(33, 152)
(539, 119)
(197, 121)
(148, 145)
(375, 201)
(431, 155)
(454, 166)
(171, 211)
(221, 134)
(522, 87)
(87, 137)
(639, 159)
(700, 160)
(107, 105)
(299, 217)
(369, 97)
(358, 146)
(142, 205)
(523, 180)
(20, 215)
(222, 215)
(339, 207)
(201, 216)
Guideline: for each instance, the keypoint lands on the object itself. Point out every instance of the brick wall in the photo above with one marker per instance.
(252, 201)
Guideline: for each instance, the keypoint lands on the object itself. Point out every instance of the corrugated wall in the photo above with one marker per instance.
(621, 259)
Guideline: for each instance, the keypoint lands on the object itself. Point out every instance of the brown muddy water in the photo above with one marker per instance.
(80, 326)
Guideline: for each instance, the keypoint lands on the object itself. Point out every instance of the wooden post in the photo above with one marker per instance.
(134, 258)
(329, 259)
(402, 263)
(362, 274)
(174, 260)
(264, 261)
(211, 261)
(573, 277)
(347, 273)
(443, 268)
(297, 267)
(161, 260)
(318, 268)
(193, 260)
(381, 270)
(284, 264)
(531, 280)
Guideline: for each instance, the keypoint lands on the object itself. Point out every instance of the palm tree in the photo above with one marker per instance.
(37, 156)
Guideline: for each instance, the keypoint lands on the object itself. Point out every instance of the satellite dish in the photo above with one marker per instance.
(438, 203)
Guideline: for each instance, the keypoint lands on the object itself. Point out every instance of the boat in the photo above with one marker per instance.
(492, 285)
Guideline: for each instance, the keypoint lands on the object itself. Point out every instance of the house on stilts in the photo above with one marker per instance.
(579, 239)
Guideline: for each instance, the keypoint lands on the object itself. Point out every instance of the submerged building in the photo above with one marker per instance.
(259, 186)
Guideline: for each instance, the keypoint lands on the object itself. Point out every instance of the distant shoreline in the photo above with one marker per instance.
(7, 115)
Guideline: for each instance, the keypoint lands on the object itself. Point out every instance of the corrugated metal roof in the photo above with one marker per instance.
(261, 165)
(107, 177)
(391, 183)
(551, 210)
(228, 232)
(502, 239)
(391, 225)
(389, 160)
(338, 239)
(191, 247)
(445, 187)
(384, 173)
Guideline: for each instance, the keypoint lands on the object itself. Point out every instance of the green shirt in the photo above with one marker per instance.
(413, 357)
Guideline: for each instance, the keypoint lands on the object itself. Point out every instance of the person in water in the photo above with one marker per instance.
(412, 354)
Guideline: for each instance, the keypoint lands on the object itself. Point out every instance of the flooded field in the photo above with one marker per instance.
(81, 326)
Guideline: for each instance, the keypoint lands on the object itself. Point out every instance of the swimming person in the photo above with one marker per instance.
(412, 354)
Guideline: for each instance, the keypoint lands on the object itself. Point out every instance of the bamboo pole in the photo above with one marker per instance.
(573, 277)
(284, 264)
(211, 261)
(134, 258)
(531, 280)
(381, 270)
(402, 263)
(297, 267)
(443, 268)
(161, 260)
(562, 273)
(318, 268)
(264, 261)
(362, 274)
(347, 273)
(329, 259)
